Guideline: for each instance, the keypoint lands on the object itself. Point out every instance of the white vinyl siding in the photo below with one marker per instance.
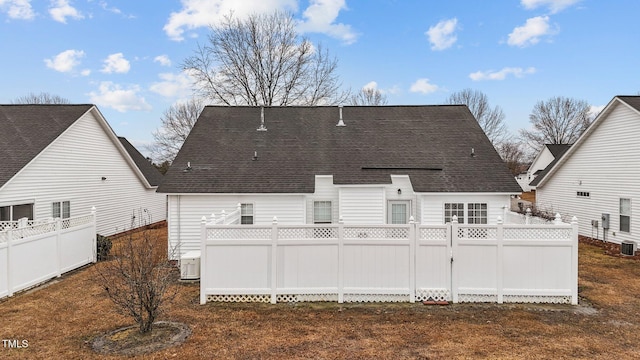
(79, 158)
(605, 165)
(362, 205)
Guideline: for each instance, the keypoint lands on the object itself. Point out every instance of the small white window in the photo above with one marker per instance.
(477, 213)
(66, 209)
(398, 212)
(451, 209)
(625, 215)
(61, 209)
(55, 210)
(322, 212)
(246, 214)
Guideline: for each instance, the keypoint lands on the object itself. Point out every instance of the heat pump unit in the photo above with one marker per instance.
(627, 248)
(190, 266)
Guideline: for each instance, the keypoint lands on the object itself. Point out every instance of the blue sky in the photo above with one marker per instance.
(125, 56)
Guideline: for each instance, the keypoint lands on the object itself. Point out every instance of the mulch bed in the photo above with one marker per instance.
(129, 341)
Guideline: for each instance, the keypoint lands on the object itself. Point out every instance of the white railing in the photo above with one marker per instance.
(6, 225)
(41, 250)
(413, 262)
(225, 218)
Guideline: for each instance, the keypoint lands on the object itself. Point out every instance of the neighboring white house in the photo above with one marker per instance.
(61, 160)
(540, 165)
(600, 175)
(306, 165)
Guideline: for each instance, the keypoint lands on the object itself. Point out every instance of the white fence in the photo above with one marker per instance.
(40, 251)
(350, 263)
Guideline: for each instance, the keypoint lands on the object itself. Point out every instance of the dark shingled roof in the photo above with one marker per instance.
(557, 150)
(150, 172)
(431, 144)
(633, 101)
(26, 130)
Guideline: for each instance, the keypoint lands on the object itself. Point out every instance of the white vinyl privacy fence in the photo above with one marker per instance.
(350, 263)
(33, 252)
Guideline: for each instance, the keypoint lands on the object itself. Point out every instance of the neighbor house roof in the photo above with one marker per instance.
(150, 172)
(442, 149)
(626, 100)
(26, 130)
(557, 150)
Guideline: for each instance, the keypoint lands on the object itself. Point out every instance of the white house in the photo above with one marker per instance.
(544, 161)
(598, 176)
(364, 164)
(61, 160)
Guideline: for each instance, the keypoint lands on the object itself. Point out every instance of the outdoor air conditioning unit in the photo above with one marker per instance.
(190, 266)
(628, 248)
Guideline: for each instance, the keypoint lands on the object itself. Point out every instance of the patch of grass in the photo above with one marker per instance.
(61, 320)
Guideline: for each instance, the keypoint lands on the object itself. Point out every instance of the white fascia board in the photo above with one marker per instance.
(466, 193)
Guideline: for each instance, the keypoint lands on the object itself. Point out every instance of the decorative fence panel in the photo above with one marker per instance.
(350, 263)
(38, 252)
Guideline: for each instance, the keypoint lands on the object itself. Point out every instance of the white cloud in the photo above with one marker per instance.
(202, 13)
(595, 110)
(371, 85)
(423, 86)
(123, 100)
(17, 9)
(116, 63)
(85, 72)
(173, 85)
(60, 10)
(553, 5)
(442, 36)
(163, 60)
(530, 32)
(502, 74)
(320, 17)
(65, 61)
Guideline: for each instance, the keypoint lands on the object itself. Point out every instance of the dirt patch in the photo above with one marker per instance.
(608, 248)
(129, 341)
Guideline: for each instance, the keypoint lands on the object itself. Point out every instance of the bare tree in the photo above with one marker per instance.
(262, 60)
(559, 120)
(177, 122)
(513, 155)
(491, 120)
(139, 277)
(41, 98)
(368, 96)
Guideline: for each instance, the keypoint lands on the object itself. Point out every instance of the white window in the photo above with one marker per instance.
(477, 213)
(451, 209)
(15, 212)
(322, 212)
(61, 209)
(246, 214)
(625, 215)
(398, 212)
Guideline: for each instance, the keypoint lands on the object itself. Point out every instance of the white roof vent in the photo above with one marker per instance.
(340, 122)
(262, 127)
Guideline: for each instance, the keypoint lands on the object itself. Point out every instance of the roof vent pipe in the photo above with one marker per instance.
(340, 122)
(262, 127)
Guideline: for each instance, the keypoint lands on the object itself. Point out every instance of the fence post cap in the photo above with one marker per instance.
(340, 220)
(275, 220)
(528, 211)
(454, 219)
(204, 220)
(558, 218)
(500, 221)
(93, 209)
(574, 220)
(411, 219)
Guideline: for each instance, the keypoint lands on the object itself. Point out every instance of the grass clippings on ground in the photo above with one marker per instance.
(61, 321)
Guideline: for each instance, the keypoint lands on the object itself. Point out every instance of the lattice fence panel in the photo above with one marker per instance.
(293, 298)
(474, 233)
(234, 233)
(537, 299)
(433, 234)
(239, 298)
(376, 233)
(77, 221)
(433, 294)
(537, 234)
(35, 230)
(308, 233)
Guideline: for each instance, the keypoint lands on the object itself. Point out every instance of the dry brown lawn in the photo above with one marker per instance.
(60, 319)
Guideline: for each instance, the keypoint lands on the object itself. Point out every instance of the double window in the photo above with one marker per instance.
(625, 215)
(476, 213)
(15, 212)
(61, 209)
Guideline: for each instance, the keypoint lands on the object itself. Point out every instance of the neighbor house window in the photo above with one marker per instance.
(451, 209)
(625, 215)
(583, 194)
(246, 214)
(61, 209)
(322, 212)
(15, 212)
(477, 213)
